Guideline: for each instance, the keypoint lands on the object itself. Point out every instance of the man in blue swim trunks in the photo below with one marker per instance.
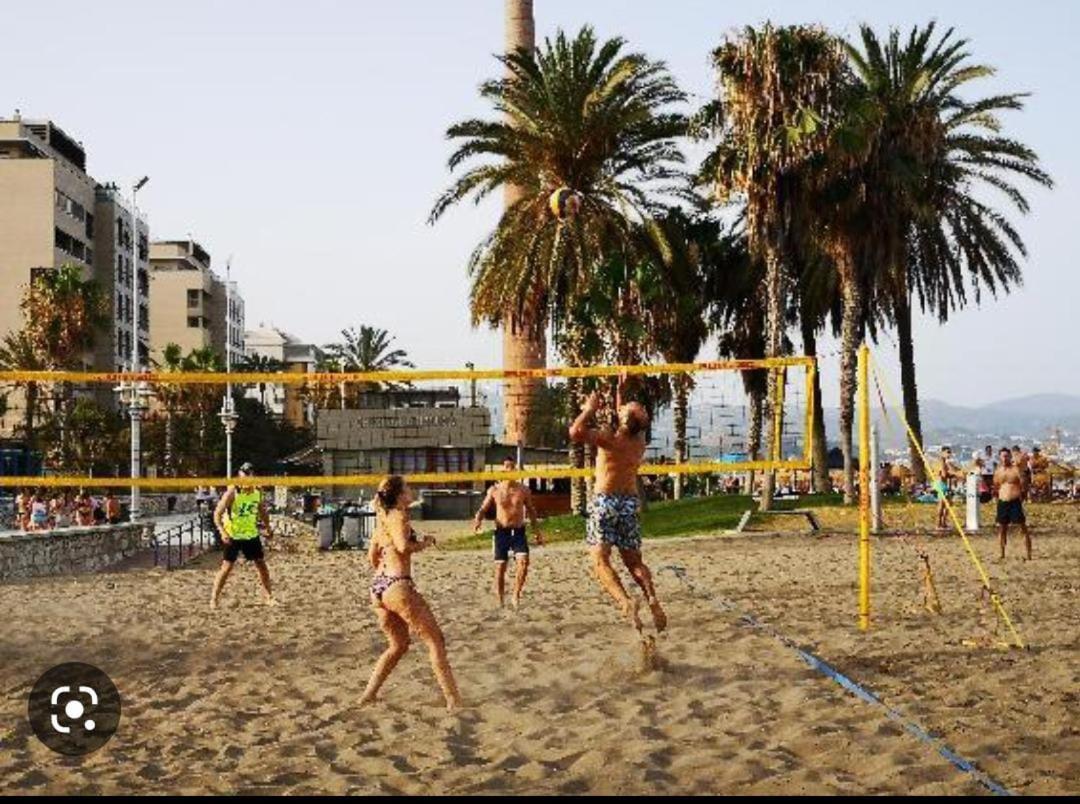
(613, 513)
(512, 501)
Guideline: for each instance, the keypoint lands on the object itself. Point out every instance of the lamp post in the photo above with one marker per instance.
(472, 385)
(228, 409)
(137, 390)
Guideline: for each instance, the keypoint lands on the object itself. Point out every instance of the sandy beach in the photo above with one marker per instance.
(261, 700)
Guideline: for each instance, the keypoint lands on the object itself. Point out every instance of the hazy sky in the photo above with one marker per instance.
(306, 139)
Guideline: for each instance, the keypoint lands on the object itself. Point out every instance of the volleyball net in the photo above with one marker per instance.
(451, 426)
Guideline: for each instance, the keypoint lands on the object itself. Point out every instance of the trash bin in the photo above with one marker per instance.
(352, 525)
(326, 520)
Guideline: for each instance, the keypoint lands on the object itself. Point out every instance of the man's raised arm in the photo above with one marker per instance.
(581, 431)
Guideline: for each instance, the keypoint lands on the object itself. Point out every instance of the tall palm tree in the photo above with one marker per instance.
(202, 399)
(934, 160)
(367, 349)
(738, 312)
(577, 114)
(694, 256)
(171, 397)
(524, 341)
(777, 90)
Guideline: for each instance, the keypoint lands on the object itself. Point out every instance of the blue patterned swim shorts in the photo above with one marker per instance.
(613, 519)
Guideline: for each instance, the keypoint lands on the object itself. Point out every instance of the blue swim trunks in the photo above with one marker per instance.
(613, 519)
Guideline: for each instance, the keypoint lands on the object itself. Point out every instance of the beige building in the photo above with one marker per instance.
(189, 301)
(292, 355)
(113, 267)
(53, 213)
(46, 209)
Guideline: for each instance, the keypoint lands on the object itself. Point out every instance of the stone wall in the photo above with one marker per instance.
(31, 555)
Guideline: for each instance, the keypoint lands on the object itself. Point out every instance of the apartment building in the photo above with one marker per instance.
(190, 305)
(292, 355)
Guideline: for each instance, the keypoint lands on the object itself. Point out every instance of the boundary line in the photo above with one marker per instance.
(862, 693)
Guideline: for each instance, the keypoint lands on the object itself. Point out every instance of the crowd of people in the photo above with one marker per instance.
(37, 511)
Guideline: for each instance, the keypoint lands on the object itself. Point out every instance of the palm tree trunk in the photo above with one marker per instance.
(907, 381)
(819, 475)
(682, 383)
(578, 496)
(753, 435)
(524, 341)
(773, 347)
(850, 335)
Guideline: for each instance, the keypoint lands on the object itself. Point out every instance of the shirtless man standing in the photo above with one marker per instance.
(512, 502)
(1010, 488)
(613, 514)
(946, 471)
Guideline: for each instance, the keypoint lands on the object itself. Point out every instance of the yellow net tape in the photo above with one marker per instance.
(333, 377)
(994, 598)
(412, 376)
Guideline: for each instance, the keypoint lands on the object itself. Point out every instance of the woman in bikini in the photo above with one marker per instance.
(398, 605)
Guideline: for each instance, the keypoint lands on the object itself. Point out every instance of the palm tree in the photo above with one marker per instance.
(366, 349)
(738, 312)
(171, 397)
(524, 341)
(694, 254)
(933, 160)
(817, 304)
(201, 399)
(777, 88)
(576, 114)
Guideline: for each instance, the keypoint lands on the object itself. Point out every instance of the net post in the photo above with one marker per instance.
(864, 489)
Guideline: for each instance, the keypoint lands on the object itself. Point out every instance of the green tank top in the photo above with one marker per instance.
(245, 515)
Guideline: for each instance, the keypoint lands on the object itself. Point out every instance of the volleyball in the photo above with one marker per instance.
(564, 203)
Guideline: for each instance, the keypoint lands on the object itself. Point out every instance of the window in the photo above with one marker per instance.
(70, 245)
(193, 298)
(194, 321)
(441, 460)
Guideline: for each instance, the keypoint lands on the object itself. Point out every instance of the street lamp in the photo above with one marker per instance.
(136, 399)
(228, 408)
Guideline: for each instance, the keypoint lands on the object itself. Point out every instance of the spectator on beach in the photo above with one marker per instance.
(112, 508)
(985, 482)
(39, 513)
(84, 510)
(99, 511)
(1021, 461)
(946, 471)
(56, 511)
(22, 510)
(1011, 492)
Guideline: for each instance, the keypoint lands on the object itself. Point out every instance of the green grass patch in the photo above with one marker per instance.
(691, 517)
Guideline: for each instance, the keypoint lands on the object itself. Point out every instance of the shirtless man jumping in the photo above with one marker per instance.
(512, 502)
(613, 513)
(1011, 490)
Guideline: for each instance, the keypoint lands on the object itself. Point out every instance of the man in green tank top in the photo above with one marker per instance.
(247, 514)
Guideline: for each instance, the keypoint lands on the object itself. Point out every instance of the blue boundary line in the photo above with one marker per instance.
(856, 689)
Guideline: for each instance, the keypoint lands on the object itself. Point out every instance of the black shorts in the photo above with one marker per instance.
(251, 548)
(1010, 512)
(510, 540)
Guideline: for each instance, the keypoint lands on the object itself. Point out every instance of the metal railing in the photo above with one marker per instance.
(175, 546)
